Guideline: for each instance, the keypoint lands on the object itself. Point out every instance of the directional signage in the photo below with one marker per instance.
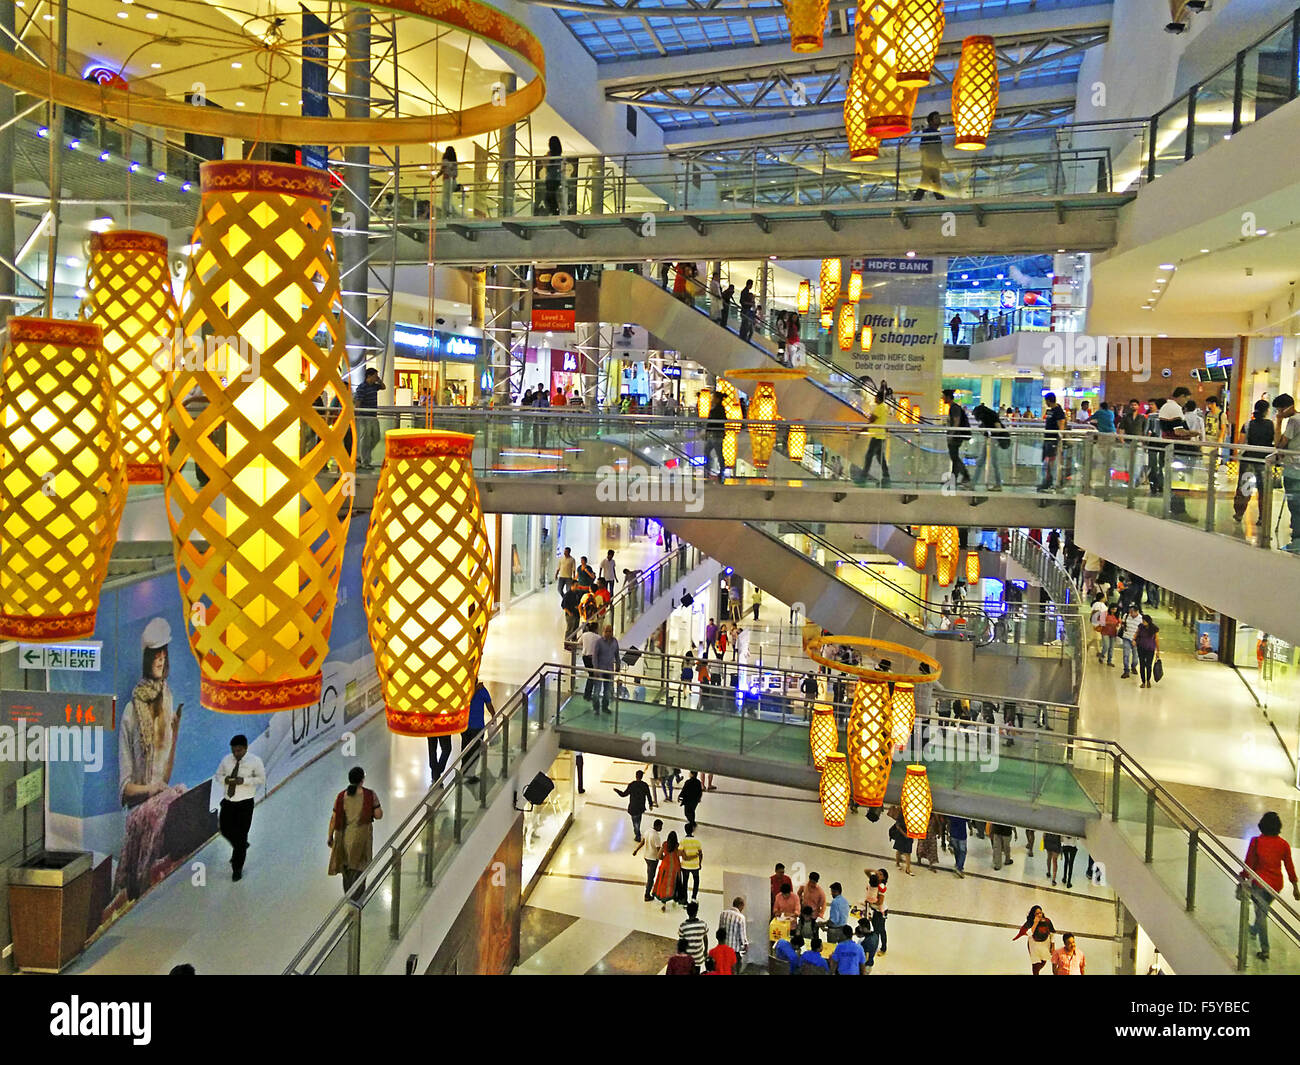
(84, 657)
(57, 708)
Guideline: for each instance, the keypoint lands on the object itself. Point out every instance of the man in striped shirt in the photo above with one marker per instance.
(732, 924)
(696, 934)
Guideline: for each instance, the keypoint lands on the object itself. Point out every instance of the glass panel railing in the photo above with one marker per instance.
(1213, 109)
(1268, 73)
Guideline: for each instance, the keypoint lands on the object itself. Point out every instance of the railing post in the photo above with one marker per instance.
(1265, 505)
(482, 764)
(1151, 148)
(354, 940)
(1243, 927)
(1114, 787)
(1085, 463)
(430, 836)
(1238, 86)
(505, 746)
(1193, 841)
(458, 804)
(1210, 500)
(395, 908)
(1131, 494)
(1167, 492)
(1151, 826)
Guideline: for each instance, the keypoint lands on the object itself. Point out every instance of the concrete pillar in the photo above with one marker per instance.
(353, 245)
(509, 148)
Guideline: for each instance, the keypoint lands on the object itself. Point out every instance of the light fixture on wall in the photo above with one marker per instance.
(834, 791)
(975, 93)
(427, 581)
(129, 296)
(258, 533)
(62, 478)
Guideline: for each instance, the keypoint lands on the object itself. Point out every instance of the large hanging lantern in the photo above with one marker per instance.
(902, 713)
(807, 23)
(804, 299)
(129, 296)
(972, 567)
(920, 553)
(834, 791)
(868, 742)
(975, 94)
(762, 424)
(916, 802)
(889, 104)
(62, 478)
(863, 146)
(846, 332)
(830, 284)
(731, 429)
(855, 285)
(427, 581)
(920, 31)
(257, 515)
(703, 401)
(945, 555)
(796, 442)
(823, 734)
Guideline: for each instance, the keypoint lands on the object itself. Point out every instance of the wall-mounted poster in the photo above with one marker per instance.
(554, 306)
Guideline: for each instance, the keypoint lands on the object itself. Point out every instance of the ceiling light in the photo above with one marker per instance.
(104, 156)
(1160, 280)
(912, 254)
(44, 131)
(155, 66)
(1261, 232)
(239, 103)
(73, 145)
(81, 293)
(100, 225)
(72, 261)
(186, 187)
(1205, 251)
(1166, 266)
(123, 14)
(965, 277)
(236, 66)
(1060, 251)
(134, 167)
(161, 176)
(1001, 276)
(151, 14)
(1161, 336)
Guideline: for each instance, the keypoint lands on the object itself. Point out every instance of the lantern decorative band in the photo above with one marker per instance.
(258, 482)
(129, 295)
(62, 483)
(427, 581)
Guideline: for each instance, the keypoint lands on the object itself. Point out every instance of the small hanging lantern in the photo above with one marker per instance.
(762, 428)
(827, 318)
(863, 146)
(916, 802)
(945, 555)
(807, 23)
(920, 553)
(62, 479)
(972, 567)
(848, 327)
(796, 442)
(868, 336)
(823, 734)
(129, 296)
(830, 283)
(427, 581)
(834, 791)
(902, 713)
(920, 31)
(855, 285)
(804, 300)
(703, 401)
(868, 742)
(975, 94)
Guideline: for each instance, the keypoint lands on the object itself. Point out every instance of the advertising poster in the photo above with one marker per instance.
(144, 802)
(905, 318)
(554, 303)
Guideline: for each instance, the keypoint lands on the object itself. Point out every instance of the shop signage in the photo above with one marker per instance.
(567, 361)
(1215, 357)
(426, 344)
(899, 266)
(1008, 299)
(673, 371)
(57, 708)
(84, 657)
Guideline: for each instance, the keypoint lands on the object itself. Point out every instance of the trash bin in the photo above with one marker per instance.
(49, 901)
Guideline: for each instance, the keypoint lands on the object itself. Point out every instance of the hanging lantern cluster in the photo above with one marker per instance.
(259, 482)
(916, 802)
(807, 23)
(946, 552)
(972, 567)
(129, 296)
(804, 299)
(919, 34)
(62, 478)
(975, 94)
(847, 330)
(823, 734)
(427, 581)
(834, 790)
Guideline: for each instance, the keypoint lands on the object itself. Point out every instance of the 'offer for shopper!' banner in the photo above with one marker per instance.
(906, 350)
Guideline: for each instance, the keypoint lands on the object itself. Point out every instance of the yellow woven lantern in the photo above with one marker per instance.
(868, 742)
(828, 318)
(932, 533)
(427, 581)
(731, 430)
(855, 285)
(62, 479)
(920, 30)
(862, 145)
(920, 553)
(945, 555)
(916, 802)
(703, 401)
(868, 337)
(847, 330)
(834, 791)
(804, 299)
(975, 94)
(796, 442)
(762, 429)
(807, 23)
(904, 409)
(830, 284)
(823, 734)
(972, 567)
(129, 296)
(889, 104)
(258, 527)
(902, 715)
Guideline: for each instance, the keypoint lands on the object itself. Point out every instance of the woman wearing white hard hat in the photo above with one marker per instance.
(146, 752)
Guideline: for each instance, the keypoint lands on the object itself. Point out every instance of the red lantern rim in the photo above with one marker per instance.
(287, 179)
(128, 240)
(258, 697)
(54, 330)
(40, 628)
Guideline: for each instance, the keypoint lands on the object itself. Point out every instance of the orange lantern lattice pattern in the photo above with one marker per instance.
(427, 581)
(807, 23)
(975, 94)
(823, 734)
(703, 401)
(62, 479)
(945, 555)
(259, 543)
(863, 145)
(920, 553)
(902, 713)
(834, 791)
(889, 104)
(830, 283)
(762, 438)
(972, 567)
(804, 300)
(129, 296)
(868, 336)
(796, 441)
(868, 742)
(855, 285)
(920, 30)
(916, 802)
(847, 330)
(828, 318)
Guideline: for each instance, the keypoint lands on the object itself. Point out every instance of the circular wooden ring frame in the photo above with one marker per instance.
(469, 16)
(775, 373)
(813, 648)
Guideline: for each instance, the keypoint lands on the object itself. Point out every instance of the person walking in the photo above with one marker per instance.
(692, 860)
(606, 660)
(587, 648)
(565, 570)
(1038, 927)
(1288, 446)
(715, 433)
(480, 709)
(1053, 420)
(650, 846)
(1052, 845)
(690, 795)
(1069, 850)
(900, 839)
(993, 437)
(554, 151)
(667, 875)
(1259, 432)
(1110, 627)
(696, 933)
(639, 799)
(351, 834)
(877, 884)
(958, 434)
(747, 310)
(1266, 854)
(957, 831)
(1067, 960)
(1000, 837)
(366, 398)
(932, 163)
(238, 779)
(877, 434)
(609, 570)
(1129, 635)
(756, 600)
(1147, 641)
(731, 922)
(927, 850)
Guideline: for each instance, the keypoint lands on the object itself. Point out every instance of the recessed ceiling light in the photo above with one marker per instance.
(1162, 335)
(236, 66)
(1205, 251)
(239, 103)
(1060, 251)
(72, 261)
(155, 66)
(103, 157)
(912, 254)
(1166, 266)
(1160, 280)
(123, 14)
(1262, 232)
(151, 14)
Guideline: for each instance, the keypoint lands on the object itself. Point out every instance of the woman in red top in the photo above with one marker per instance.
(1265, 856)
(1038, 926)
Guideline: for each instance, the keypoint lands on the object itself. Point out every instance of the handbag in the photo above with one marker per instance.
(1157, 670)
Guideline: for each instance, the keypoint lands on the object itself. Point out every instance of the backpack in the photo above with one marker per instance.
(964, 423)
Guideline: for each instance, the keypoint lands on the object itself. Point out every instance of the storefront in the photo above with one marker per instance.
(568, 369)
(425, 359)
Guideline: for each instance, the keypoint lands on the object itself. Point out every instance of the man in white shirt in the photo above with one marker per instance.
(608, 570)
(587, 648)
(237, 781)
(565, 572)
(1287, 436)
(1129, 633)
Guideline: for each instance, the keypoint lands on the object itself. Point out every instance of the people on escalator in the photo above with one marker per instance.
(747, 310)
(725, 300)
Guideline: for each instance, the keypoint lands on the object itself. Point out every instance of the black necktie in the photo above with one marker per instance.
(230, 788)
